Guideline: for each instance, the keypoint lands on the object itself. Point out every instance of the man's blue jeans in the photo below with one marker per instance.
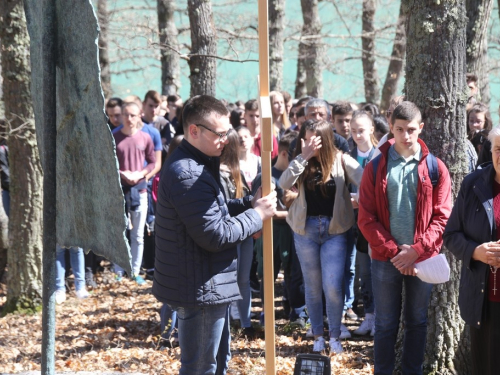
(138, 220)
(77, 264)
(322, 259)
(350, 270)
(387, 288)
(204, 339)
(365, 274)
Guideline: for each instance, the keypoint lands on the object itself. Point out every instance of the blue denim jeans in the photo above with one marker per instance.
(204, 339)
(245, 257)
(138, 220)
(387, 288)
(365, 274)
(6, 202)
(77, 264)
(168, 321)
(350, 270)
(322, 259)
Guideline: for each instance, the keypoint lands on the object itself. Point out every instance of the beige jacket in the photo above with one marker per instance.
(343, 213)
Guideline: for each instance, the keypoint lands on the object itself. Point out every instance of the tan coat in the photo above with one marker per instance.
(343, 213)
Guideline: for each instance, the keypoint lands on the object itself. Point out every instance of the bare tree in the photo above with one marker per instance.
(26, 189)
(170, 70)
(478, 13)
(396, 63)
(300, 80)
(276, 47)
(203, 69)
(368, 55)
(437, 33)
(102, 18)
(313, 59)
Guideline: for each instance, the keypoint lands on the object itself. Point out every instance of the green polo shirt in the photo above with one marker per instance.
(402, 184)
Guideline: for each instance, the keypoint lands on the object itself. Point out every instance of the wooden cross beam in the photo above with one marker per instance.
(266, 129)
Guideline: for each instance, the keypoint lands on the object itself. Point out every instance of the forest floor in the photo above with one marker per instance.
(117, 329)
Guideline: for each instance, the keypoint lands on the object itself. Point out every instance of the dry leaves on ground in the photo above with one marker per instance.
(118, 329)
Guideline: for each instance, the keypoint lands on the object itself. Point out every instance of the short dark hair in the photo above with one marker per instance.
(114, 102)
(381, 124)
(153, 95)
(304, 100)
(252, 105)
(286, 140)
(370, 107)
(341, 108)
(198, 108)
(286, 96)
(235, 117)
(301, 112)
(406, 111)
(471, 77)
(173, 98)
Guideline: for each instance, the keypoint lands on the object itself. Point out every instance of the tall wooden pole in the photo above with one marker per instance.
(266, 128)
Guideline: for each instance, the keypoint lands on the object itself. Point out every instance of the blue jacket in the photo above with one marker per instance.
(472, 223)
(197, 232)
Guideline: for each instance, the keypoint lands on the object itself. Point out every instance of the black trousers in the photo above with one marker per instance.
(485, 342)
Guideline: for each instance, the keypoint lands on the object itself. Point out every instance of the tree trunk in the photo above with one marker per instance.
(26, 189)
(435, 81)
(313, 58)
(276, 47)
(103, 19)
(203, 42)
(478, 13)
(368, 55)
(300, 80)
(170, 70)
(396, 63)
(4, 239)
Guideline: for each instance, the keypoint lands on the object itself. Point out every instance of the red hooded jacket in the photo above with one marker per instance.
(432, 211)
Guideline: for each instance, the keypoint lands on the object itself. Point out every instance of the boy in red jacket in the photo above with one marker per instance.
(403, 216)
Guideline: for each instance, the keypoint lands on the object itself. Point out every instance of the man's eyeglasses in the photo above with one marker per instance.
(222, 136)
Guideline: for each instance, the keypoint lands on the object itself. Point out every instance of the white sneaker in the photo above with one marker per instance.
(344, 332)
(319, 344)
(335, 346)
(60, 296)
(82, 294)
(366, 326)
(309, 333)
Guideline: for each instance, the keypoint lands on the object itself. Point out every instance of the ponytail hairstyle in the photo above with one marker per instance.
(362, 113)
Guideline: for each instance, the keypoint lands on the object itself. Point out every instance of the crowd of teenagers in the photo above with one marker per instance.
(358, 201)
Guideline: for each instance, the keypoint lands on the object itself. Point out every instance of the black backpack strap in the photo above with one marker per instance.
(432, 166)
(375, 166)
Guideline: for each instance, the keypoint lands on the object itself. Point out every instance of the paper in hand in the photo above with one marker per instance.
(435, 270)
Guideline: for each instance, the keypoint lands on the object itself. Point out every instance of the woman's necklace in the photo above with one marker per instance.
(494, 272)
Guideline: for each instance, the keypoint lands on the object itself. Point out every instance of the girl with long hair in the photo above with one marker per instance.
(479, 123)
(363, 134)
(320, 216)
(280, 116)
(250, 164)
(235, 186)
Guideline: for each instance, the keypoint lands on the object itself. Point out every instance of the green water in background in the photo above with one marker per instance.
(136, 65)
